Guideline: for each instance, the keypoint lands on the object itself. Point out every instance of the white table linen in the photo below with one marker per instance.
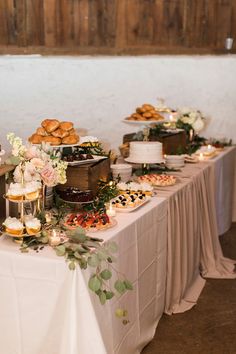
(46, 308)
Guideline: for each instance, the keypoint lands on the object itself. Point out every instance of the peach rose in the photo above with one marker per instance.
(48, 175)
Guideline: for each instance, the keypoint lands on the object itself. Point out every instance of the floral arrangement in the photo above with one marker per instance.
(191, 117)
(36, 163)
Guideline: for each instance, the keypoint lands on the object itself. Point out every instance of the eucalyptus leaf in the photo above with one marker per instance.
(93, 260)
(72, 265)
(102, 297)
(128, 284)
(109, 295)
(106, 274)
(120, 286)
(112, 246)
(94, 283)
(60, 250)
(77, 255)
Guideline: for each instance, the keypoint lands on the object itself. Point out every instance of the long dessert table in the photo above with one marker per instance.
(166, 247)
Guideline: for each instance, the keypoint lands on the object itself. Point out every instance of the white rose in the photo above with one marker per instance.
(198, 125)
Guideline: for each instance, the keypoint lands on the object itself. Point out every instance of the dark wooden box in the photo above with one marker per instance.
(87, 176)
(172, 142)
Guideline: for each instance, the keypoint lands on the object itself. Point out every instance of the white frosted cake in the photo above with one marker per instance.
(145, 152)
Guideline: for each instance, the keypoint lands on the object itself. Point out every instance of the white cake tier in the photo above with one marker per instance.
(145, 152)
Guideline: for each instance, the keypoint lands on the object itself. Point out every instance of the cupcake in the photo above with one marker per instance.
(15, 192)
(13, 226)
(32, 225)
(31, 190)
(146, 188)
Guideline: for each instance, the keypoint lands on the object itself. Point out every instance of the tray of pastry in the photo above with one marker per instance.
(129, 202)
(80, 159)
(56, 133)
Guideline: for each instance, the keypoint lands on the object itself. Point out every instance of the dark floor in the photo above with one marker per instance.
(208, 328)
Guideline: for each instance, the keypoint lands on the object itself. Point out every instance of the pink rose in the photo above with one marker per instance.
(37, 163)
(48, 175)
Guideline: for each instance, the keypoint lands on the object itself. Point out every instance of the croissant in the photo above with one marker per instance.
(70, 140)
(52, 140)
(60, 133)
(66, 125)
(50, 125)
(41, 131)
(36, 139)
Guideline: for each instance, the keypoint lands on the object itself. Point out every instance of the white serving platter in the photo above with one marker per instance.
(131, 209)
(82, 162)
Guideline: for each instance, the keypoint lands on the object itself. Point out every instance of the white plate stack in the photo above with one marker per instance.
(174, 161)
(122, 170)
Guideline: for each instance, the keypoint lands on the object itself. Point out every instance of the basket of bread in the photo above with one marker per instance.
(146, 112)
(55, 133)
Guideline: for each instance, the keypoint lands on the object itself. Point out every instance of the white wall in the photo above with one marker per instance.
(96, 93)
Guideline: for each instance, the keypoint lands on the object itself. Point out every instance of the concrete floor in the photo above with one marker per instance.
(210, 327)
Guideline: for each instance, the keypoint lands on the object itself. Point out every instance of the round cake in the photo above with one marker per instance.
(145, 152)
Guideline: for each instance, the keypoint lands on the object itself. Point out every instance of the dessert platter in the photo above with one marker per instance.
(91, 221)
(56, 133)
(145, 152)
(14, 227)
(146, 114)
(76, 159)
(129, 201)
(208, 151)
(75, 195)
(133, 187)
(158, 180)
(19, 193)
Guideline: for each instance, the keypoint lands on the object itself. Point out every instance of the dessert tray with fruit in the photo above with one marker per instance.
(158, 180)
(91, 221)
(129, 201)
(133, 187)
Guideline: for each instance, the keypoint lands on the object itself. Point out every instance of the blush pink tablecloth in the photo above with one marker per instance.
(194, 251)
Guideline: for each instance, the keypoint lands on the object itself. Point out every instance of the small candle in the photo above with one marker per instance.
(111, 211)
(54, 238)
(171, 118)
(209, 147)
(191, 135)
(48, 217)
(201, 157)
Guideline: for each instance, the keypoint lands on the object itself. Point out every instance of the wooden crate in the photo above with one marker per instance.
(87, 176)
(172, 142)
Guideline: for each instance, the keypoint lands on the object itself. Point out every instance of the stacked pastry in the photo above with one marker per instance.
(145, 113)
(54, 132)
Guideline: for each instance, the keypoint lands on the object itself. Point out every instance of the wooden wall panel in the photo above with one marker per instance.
(116, 26)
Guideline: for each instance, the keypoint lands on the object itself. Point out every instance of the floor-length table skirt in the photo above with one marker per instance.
(193, 247)
(46, 308)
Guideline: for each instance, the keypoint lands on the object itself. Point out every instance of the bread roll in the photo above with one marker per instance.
(50, 125)
(70, 140)
(60, 133)
(66, 126)
(72, 132)
(41, 131)
(147, 115)
(36, 139)
(52, 140)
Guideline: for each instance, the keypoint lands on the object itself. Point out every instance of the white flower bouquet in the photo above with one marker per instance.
(192, 117)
